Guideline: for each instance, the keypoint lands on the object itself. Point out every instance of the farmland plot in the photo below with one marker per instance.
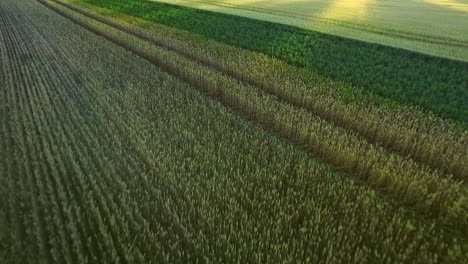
(410, 181)
(431, 83)
(436, 27)
(108, 159)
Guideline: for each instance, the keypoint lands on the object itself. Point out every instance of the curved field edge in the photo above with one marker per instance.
(433, 84)
(406, 131)
(412, 184)
(97, 188)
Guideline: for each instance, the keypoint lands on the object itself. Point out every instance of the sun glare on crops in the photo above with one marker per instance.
(343, 9)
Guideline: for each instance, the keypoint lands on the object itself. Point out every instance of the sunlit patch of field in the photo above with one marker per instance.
(389, 22)
(347, 9)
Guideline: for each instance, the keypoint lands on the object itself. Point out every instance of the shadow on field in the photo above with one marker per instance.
(431, 83)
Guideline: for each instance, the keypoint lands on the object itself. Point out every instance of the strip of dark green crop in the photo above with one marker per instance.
(431, 83)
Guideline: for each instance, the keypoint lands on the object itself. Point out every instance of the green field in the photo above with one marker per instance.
(436, 27)
(130, 135)
(433, 84)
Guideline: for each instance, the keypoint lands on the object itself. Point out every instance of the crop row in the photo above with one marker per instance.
(407, 131)
(113, 161)
(410, 182)
(435, 84)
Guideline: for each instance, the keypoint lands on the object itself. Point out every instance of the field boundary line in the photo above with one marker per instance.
(282, 97)
(386, 32)
(442, 207)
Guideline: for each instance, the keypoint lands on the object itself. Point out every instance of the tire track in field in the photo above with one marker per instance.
(336, 120)
(287, 130)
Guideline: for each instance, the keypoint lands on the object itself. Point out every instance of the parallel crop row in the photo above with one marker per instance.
(434, 84)
(57, 230)
(110, 160)
(405, 179)
(424, 138)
